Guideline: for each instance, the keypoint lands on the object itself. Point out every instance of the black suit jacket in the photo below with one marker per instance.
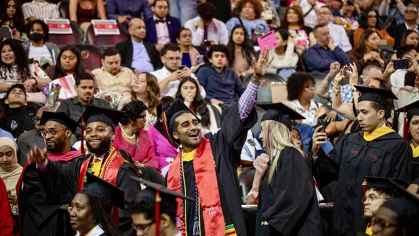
(126, 49)
(397, 33)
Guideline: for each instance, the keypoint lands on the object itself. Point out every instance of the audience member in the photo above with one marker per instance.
(84, 11)
(409, 37)
(337, 32)
(366, 51)
(369, 21)
(250, 12)
(40, 10)
(137, 54)
(241, 52)
(11, 14)
(189, 53)
(17, 112)
(269, 14)
(374, 4)
(6, 219)
(294, 23)
(124, 11)
(112, 76)
(300, 89)
(131, 136)
(205, 29)
(394, 10)
(320, 56)
(39, 47)
(285, 59)
(172, 71)
(184, 10)
(310, 10)
(410, 17)
(74, 107)
(4, 133)
(161, 28)
(188, 92)
(220, 83)
(350, 11)
(397, 78)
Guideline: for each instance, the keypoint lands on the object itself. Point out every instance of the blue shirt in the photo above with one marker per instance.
(140, 59)
(4, 133)
(346, 93)
(186, 60)
(134, 8)
(319, 59)
(222, 86)
(256, 24)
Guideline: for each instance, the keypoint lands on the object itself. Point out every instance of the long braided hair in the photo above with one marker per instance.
(102, 217)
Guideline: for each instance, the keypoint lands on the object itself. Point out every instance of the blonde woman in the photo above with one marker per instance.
(287, 201)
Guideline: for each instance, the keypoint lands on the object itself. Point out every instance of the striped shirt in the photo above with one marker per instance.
(40, 10)
(248, 101)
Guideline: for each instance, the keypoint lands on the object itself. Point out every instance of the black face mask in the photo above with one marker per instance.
(36, 37)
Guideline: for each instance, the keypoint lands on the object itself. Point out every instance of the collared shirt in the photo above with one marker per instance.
(217, 31)
(257, 24)
(415, 29)
(40, 10)
(310, 19)
(310, 114)
(319, 59)
(397, 78)
(340, 38)
(140, 59)
(133, 8)
(162, 31)
(346, 93)
(120, 82)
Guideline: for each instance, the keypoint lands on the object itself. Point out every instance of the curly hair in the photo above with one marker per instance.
(59, 71)
(257, 6)
(298, 11)
(164, 104)
(44, 26)
(199, 104)
(18, 18)
(133, 111)
(153, 93)
(207, 11)
(21, 60)
(296, 83)
(247, 47)
(384, 188)
(101, 215)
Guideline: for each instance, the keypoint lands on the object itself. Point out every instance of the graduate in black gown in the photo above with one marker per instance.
(287, 203)
(376, 151)
(62, 182)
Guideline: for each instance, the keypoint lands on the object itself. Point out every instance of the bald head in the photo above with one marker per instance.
(137, 29)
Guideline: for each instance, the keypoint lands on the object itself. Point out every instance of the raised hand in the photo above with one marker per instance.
(37, 155)
(353, 75)
(262, 64)
(319, 138)
(339, 77)
(334, 68)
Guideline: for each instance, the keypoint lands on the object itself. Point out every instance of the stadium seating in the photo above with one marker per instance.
(92, 56)
(68, 39)
(106, 41)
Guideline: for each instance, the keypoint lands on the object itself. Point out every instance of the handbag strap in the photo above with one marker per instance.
(392, 18)
(309, 11)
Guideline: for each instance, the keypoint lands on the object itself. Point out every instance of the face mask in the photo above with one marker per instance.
(36, 37)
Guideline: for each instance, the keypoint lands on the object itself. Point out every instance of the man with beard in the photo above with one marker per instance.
(74, 107)
(62, 182)
(37, 217)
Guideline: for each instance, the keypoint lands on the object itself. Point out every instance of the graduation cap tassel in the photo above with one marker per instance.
(157, 213)
(405, 128)
(82, 135)
(365, 188)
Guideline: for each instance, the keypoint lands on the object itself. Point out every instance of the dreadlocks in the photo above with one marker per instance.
(102, 217)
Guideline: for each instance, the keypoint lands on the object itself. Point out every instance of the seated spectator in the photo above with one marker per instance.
(17, 112)
(269, 14)
(320, 56)
(397, 78)
(350, 11)
(74, 107)
(38, 47)
(221, 83)
(300, 88)
(4, 133)
(188, 92)
(169, 76)
(310, 10)
(206, 28)
(294, 23)
(241, 51)
(409, 37)
(337, 32)
(369, 21)
(366, 51)
(11, 14)
(285, 59)
(161, 28)
(410, 17)
(189, 53)
(136, 54)
(394, 10)
(14, 68)
(40, 10)
(112, 76)
(84, 11)
(123, 11)
(131, 136)
(250, 12)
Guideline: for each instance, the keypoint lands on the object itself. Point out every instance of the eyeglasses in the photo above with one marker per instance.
(173, 58)
(381, 223)
(371, 198)
(36, 120)
(369, 17)
(51, 132)
(411, 11)
(141, 227)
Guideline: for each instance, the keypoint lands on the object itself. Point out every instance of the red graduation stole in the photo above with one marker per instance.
(206, 181)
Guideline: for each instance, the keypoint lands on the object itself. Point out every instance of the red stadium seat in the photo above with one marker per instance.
(91, 56)
(64, 9)
(75, 38)
(106, 41)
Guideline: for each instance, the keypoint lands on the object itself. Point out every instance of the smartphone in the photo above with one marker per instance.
(8, 192)
(347, 69)
(207, 43)
(199, 59)
(323, 123)
(181, 67)
(401, 64)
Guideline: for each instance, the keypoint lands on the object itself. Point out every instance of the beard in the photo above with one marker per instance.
(56, 147)
(102, 147)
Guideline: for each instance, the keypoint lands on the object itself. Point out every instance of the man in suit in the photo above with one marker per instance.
(161, 28)
(410, 16)
(136, 54)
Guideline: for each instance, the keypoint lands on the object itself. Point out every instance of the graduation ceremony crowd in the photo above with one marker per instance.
(175, 127)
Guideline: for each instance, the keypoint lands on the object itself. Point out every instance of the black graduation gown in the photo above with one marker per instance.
(226, 146)
(60, 185)
(289, 203)
(349, 162)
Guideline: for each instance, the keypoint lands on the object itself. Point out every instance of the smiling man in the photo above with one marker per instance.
(376, 151)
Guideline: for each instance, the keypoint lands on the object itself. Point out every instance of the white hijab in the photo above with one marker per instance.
(10, 175)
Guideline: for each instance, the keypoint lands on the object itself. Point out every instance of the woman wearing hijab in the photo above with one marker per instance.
(10, 169)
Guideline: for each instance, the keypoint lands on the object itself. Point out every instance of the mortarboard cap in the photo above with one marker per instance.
(280, 113)
(98, 114)
(377, 95)
(412, 110)
(108, 193)
(385, 182)
(61, 118)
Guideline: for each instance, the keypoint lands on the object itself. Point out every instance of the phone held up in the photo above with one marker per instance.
(400, 64)
(181, 67)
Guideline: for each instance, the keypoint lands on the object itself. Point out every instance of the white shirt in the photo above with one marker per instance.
(397, 78)
(217, 31)
(97, 231)
(405, 95)
(415, 29)
(39, 52)
(310, 115)
(338, 33)
(172, 87)
(40, 10)
(311, 18)
(162, 32)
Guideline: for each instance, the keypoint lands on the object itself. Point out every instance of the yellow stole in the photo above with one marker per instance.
(415, 150)
(369, 229)
(369, 136)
